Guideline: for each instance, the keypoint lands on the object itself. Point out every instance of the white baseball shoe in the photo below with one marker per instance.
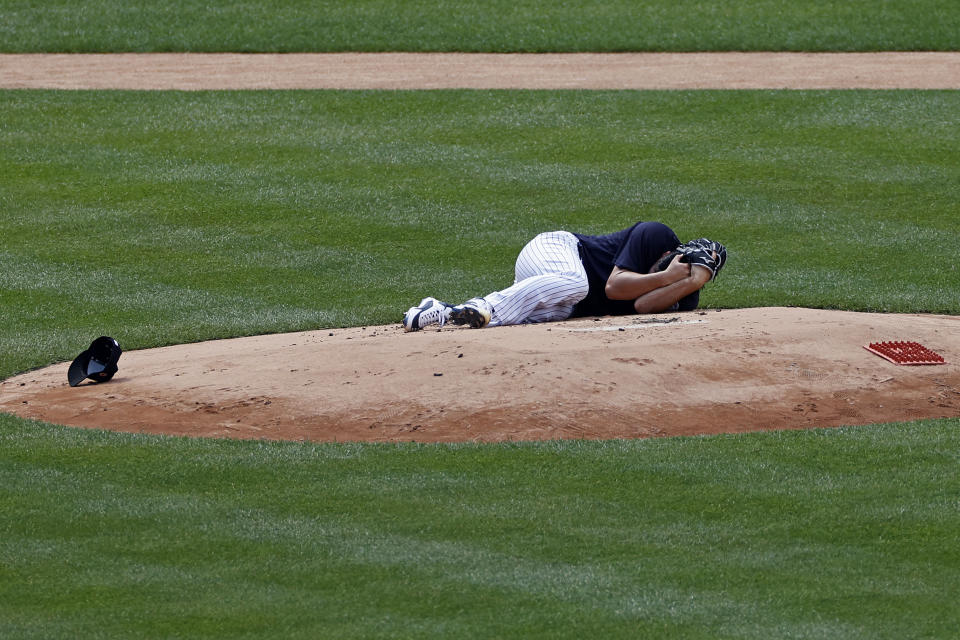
(429, 311)
(475, 312)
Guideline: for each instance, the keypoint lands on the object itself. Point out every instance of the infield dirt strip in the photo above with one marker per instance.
(703, 372)
(885, 70)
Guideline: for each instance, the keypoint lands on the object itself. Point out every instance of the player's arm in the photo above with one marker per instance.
(630, 285)
(663, 298)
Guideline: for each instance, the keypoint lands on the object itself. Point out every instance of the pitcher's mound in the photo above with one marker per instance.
(634, 376)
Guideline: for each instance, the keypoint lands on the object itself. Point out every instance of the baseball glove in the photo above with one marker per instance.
(701, 251)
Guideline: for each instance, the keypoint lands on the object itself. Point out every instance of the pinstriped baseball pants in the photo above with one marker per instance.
(549, 281)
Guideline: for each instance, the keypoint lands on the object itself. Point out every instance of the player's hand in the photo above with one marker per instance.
(677, 270)
(701, 273)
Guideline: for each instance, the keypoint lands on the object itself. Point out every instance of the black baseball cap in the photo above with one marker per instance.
(97, 363)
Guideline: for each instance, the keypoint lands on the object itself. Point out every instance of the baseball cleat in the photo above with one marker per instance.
(429, 311)
(475, 312)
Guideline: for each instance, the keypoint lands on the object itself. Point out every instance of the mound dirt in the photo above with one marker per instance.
(703, 372)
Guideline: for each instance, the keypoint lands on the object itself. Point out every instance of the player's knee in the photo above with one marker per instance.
(577, 287)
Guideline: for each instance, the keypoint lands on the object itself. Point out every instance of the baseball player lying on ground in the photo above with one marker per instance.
(560, 275)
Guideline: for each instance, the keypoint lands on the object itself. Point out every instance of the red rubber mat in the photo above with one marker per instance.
(900, 352)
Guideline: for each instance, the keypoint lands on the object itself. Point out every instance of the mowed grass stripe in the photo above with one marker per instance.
(494, 25)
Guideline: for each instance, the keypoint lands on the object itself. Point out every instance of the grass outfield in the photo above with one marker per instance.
(173, 217)
(848, 533)
(165, 218)
(492, 25)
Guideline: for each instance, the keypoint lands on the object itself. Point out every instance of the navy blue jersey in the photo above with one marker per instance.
(636, 249)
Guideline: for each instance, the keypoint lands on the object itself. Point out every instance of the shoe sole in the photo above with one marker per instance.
(469, 316)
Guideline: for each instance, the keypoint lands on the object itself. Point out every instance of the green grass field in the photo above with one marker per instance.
(846, 533)
(172, 217)
(492, 25)
(164, 218)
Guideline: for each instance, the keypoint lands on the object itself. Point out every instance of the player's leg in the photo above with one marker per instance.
(544, 298)
(550, 280)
